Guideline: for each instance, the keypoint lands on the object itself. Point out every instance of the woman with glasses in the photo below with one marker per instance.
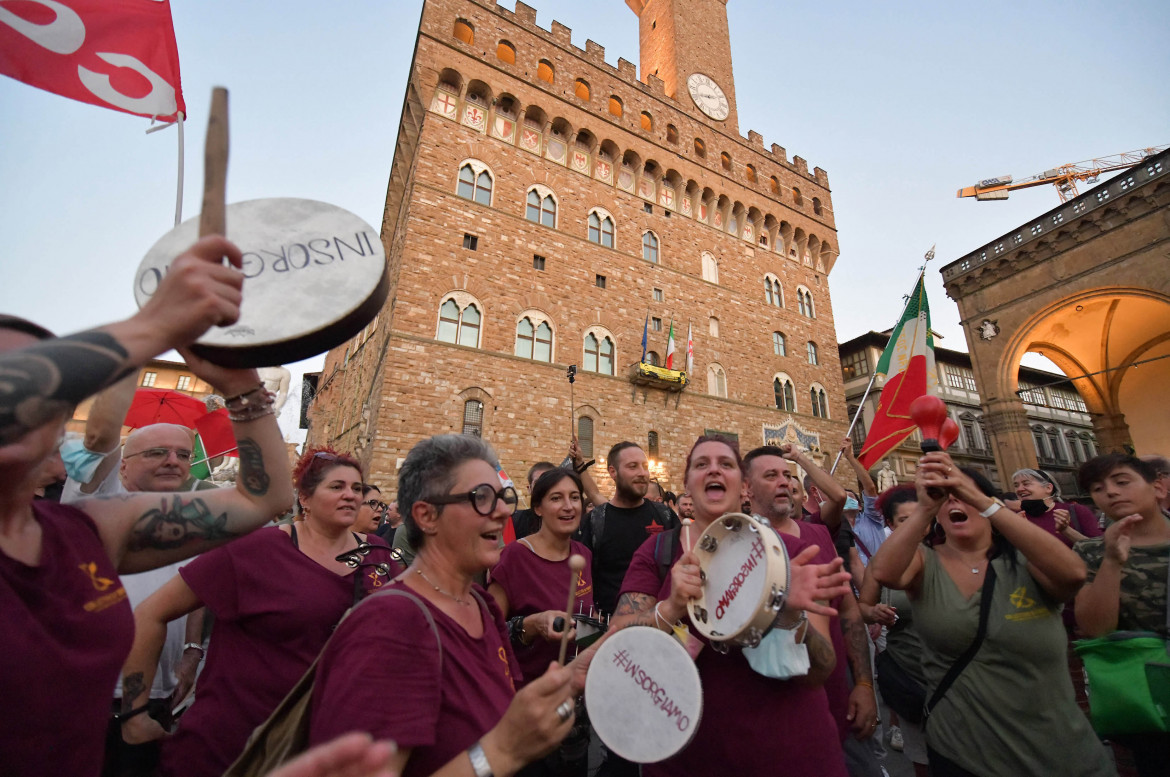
(277, 596)
(370, 512)
(530, 584)
(429, 664)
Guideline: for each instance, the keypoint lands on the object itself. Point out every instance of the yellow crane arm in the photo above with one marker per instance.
(1064, 177)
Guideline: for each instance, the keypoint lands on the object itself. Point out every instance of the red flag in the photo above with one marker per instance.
(118, 54)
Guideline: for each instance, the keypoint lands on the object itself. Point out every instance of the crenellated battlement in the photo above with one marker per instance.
(560, 36)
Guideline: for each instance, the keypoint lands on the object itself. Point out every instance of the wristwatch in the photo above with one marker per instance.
(479, 761)
(991, 509)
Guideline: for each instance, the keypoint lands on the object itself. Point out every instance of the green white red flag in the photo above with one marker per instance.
(908, 365)
(670, 348)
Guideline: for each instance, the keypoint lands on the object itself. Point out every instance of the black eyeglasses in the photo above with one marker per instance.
(375, 504)
(483, 498)
(158, 454)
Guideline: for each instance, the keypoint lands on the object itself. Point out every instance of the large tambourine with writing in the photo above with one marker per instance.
(643, 694)
(744, 568)
(315, 275)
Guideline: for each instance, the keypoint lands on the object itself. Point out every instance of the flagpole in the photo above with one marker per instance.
(179, 119)
(861, 405)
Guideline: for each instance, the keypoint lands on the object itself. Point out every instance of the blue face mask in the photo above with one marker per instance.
(80, 462)
(779, 655)
(851, 504)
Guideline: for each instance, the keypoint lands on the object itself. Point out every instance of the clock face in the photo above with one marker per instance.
(707, 95)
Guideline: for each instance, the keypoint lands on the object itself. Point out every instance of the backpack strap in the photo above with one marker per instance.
(664, 551)
(597, 524)
(962, 661)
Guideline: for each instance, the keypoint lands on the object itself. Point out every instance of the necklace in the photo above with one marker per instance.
(440, 590)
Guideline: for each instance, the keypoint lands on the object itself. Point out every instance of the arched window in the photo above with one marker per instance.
(784, 393)
(652, 359)
(804, 302)
(796, 196)
(459, 325)
(774, 185)
(725, 160)
(700, 149)
(1057, 448)
(671, 134)
(773, 294)
(475, 183)
(751, 173)
(464, 31)
(650, 247)
(544, 71)
(598, 354)
(710, 268)
(473, 417)
(600, 228)
(716, 381)
(812, 353)
(1041, 443)
(534, 340)
(779, 344)
(541, 210)
(581, 89)
(506, 52)
(652, 443)
(713, 326)
(585, 436)
(647, 121)
(817, 209)
(615, 105)
(820, 407)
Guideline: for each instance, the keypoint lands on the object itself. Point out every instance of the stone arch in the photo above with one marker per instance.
(506, 52)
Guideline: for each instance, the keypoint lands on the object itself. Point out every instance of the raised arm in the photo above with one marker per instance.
(588, 484)
(44, 381)
(103, 428)
(831, 490)
(1098, 603)
(148, 530)
(898, 563)
(863, 478)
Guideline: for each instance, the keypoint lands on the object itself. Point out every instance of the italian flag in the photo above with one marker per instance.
(670, 348)
(690, 350)
(908, 365)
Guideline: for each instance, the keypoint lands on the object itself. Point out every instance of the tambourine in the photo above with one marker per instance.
(744, 570)
(643, 695)
(315, 275)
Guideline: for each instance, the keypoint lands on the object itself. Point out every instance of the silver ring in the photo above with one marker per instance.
(565, 710)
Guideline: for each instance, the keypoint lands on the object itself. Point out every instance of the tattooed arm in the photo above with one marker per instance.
(862, 701)
(41, 383)
(822, 659)
(151, 617)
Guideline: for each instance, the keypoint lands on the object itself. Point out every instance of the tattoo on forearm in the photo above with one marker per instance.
(133, 686)
(165, 528)
(639, 605)
(252, 473)
(820, 650)
(857, 646)
(42, 381)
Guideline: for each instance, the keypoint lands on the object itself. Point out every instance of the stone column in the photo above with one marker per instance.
(1112, 433)
(1011, 436)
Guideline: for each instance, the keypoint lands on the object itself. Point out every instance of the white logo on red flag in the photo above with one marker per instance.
(118, 54)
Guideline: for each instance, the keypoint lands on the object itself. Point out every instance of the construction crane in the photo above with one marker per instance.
(1064, 178)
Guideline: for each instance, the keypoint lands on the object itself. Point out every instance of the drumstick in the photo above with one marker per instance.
(213, 220)
(686, 536)
(577, 564)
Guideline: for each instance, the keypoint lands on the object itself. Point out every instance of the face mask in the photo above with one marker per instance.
(80, 462)
(851, 504)
(1033, 508)
(779, 655)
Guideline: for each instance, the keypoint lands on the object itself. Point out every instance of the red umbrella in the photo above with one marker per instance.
(216, 432)
(160, 406)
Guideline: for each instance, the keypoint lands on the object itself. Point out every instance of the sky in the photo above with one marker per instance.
(902, 103)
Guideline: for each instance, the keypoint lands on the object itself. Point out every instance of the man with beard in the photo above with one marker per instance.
(615, 529)
(774, 492)
(686, 506)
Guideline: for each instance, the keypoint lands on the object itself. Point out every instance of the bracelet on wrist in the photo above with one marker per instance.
(479, 761)
(866, 683)
(660, 619)
(795, 624)
(195, 646)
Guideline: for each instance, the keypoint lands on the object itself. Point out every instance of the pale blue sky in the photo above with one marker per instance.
(901, 103)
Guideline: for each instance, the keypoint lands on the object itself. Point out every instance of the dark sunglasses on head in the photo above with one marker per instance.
(483, 498)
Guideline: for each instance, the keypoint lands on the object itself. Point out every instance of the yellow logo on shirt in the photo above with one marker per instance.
(99, 583)
(1026, 607)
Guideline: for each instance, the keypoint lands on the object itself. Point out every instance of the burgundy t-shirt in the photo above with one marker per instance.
(534, 584)
(1080, 519)
(382, 673)
(274, 609)
(67, 630)
(751, 725)
(837, 683)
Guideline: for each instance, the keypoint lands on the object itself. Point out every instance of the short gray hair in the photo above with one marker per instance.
(1041, 476)
(429, 471)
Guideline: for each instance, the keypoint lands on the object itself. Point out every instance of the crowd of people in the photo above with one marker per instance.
(933, 617)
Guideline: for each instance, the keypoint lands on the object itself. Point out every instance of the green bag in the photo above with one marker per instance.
(1128, 682)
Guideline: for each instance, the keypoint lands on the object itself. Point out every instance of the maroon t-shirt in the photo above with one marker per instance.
(274, 609)
(1080, 519)
(67, 630)
(837, 683)
(751, 724)
(534, 584)
(382, 673)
